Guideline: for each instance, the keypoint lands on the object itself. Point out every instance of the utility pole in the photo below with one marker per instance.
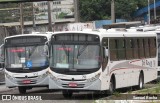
(155, 10)
(21, 18)
(149, 19)
(49, 17)
(112, 11)
(76, 10)
(33, 15)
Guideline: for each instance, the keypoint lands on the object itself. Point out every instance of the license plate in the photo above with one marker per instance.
(26, 81)
(73, 85)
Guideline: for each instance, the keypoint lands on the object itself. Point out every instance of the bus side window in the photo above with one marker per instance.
(146, 47)
(135, 48)
(121, 49)
(129, 48)
(141, 48)
(152, 46)
(113, 49)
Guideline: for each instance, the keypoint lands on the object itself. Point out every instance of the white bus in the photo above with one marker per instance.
(99, 61)
(26, 60)
(158, 40)
(154, 29)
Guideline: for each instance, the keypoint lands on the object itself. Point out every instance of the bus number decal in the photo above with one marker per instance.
(35, 74)
(147, 63)
(84, 77)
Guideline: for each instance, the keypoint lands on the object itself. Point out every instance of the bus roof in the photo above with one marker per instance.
(109, 33)
(47, 34)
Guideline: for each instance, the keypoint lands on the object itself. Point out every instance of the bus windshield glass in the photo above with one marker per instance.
(26, 53)
(74, 52)
(26, 57)
(75, 56)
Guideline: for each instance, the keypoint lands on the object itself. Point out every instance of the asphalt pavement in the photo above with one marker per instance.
(3, 88)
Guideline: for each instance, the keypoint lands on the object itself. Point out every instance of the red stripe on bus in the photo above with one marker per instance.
(122, 68)
(135, 61)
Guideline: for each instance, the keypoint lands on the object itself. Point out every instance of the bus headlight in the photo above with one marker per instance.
(9, 76)
(94, 78)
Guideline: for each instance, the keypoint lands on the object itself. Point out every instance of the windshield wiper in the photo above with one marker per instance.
(32, 51)
(82, 50)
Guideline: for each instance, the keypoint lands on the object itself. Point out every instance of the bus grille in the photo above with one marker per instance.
(25, 77)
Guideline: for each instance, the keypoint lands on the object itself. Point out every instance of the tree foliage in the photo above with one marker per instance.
(94, 9)
(101, 9)
(125, 9)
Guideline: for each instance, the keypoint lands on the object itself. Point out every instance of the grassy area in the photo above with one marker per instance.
(155, 90)
(152, 90)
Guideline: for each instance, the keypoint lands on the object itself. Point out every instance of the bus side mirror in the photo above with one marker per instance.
(105, 50)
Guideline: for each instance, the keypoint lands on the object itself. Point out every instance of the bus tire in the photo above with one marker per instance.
(140, 81)
(111, 86)
(67, 93)
(22, 90)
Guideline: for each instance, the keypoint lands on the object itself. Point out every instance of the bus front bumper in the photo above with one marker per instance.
(74, 85)
(14, 82)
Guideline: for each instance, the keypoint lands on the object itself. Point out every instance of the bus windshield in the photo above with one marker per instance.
(75, 56)
(26, 57)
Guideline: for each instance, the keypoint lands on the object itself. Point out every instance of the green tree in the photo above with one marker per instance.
(125, 9)
(101, 9)
(94, 9)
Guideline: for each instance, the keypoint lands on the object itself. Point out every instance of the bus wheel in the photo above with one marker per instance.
(140, 82)
(22, 90)
(111, 87)
(67, 93)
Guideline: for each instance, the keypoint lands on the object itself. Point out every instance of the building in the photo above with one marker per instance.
(60, 9)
